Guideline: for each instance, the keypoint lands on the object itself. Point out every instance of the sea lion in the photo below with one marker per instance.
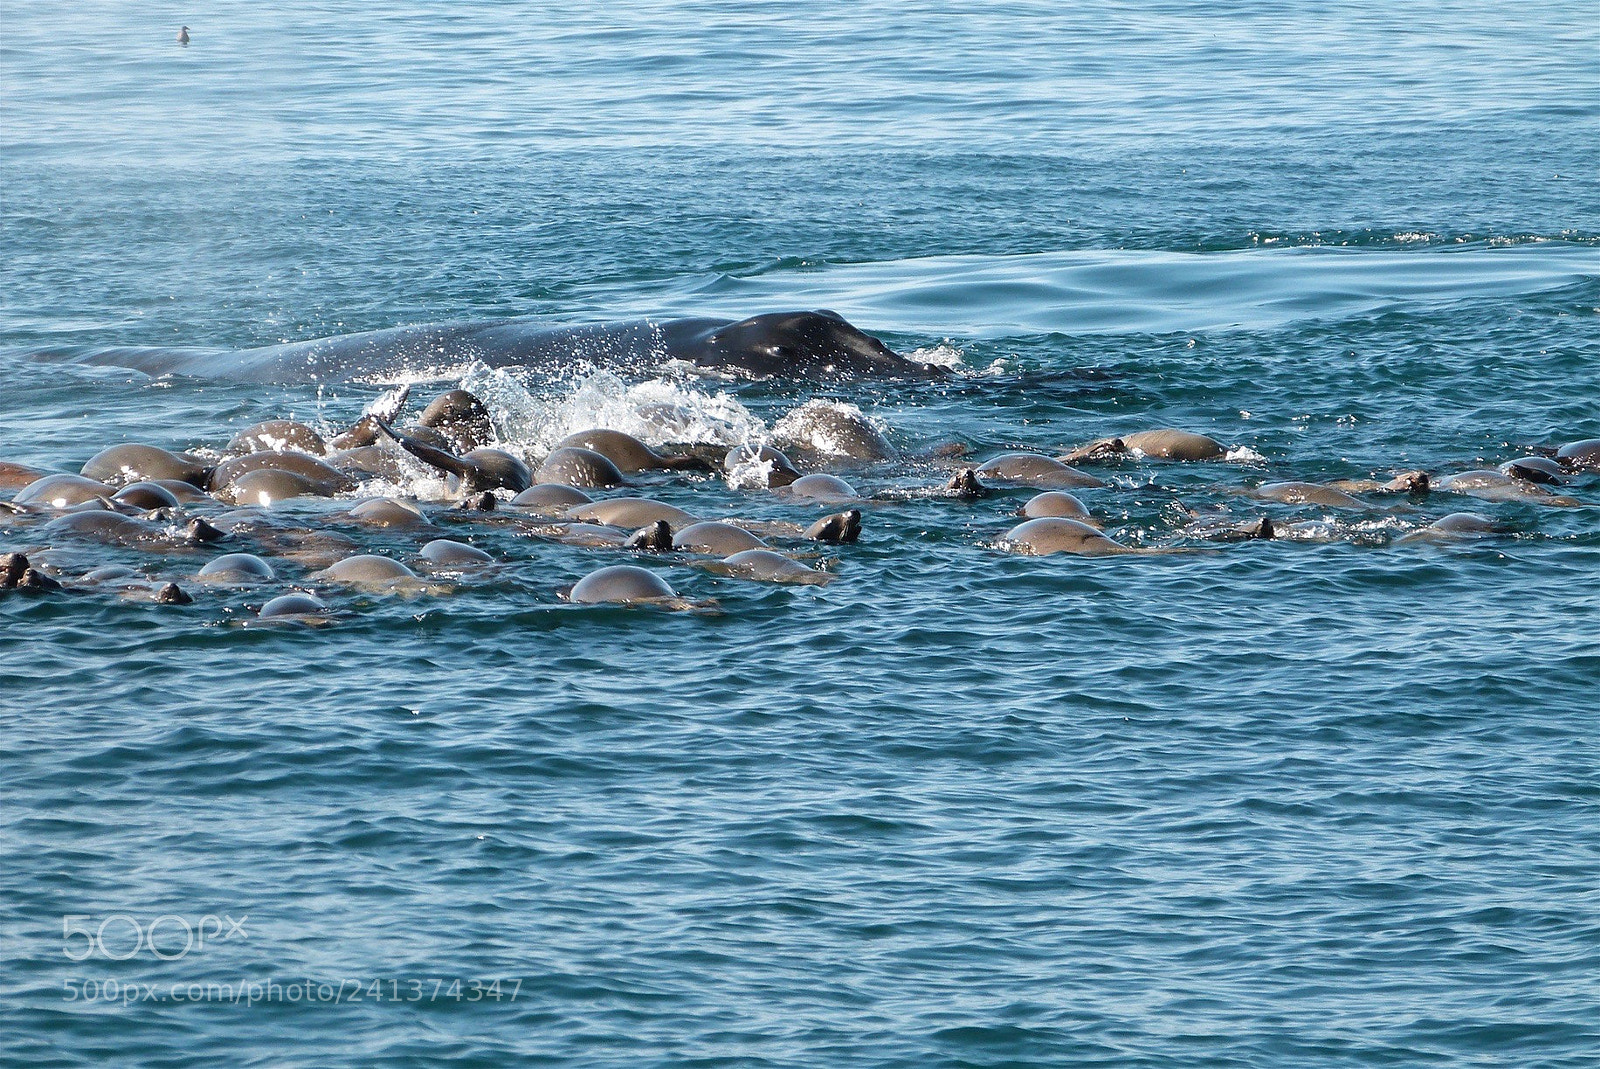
(278, 436)
(246, 520)
(620, 584)
(472, 472)
(62, 492)
(1452, 528)
(629, 512)
(966, 485)
(551, 496)
(1164, 444)
(801, 345)
(652, 538)
(146, 495)
(427, 436)
(133, 463)
(1059, 534)
(133, 586)
(292, 605)
(111, 573)
(588, 535)
(17, 573)
(1228, 530)
(1460, 523)
(629, 454)
(1541, 470)
(16, 476)
(833, 429)
(1034, 469)
(713, 536)
(371, 461)
(362, 433)
(1407, 482)
(768, 567)
(113, 528)
(760, 465)
(842, 528)
(368, 430)
(385, 408)
(389, 512)
(825, 489)
(1303, 493)
(1056, 503)
(461, 418)
(448, 553)
(12, 566)
(368, 570)
(186, 493)
(1497, 486)
(34, 581)
(172, 594)
(327, 479)
(199, 532)
(235, 568)
(1580, 456)
(573, 466)
(266, 486)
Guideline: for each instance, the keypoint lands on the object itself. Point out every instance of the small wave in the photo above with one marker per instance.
(1269, 281)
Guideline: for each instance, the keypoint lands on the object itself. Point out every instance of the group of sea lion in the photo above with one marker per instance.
(229, 507)
(232, 508)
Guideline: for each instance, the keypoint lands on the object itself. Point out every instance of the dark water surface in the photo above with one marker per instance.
(1329, 799)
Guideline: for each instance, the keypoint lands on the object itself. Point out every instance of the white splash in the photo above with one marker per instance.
(657, 411)
(943, 355)
(810, 426)
(748, 471)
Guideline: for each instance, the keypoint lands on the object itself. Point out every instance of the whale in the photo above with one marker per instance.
(800, 344)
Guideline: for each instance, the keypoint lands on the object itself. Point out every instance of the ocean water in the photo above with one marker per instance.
(1326, 799)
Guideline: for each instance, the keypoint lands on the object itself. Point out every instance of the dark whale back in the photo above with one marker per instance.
(774, 345)
(800, 344)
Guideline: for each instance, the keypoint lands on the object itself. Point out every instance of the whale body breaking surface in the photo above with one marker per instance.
(804, 344)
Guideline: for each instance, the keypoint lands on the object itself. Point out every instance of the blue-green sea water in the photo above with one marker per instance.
(1325, 800)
